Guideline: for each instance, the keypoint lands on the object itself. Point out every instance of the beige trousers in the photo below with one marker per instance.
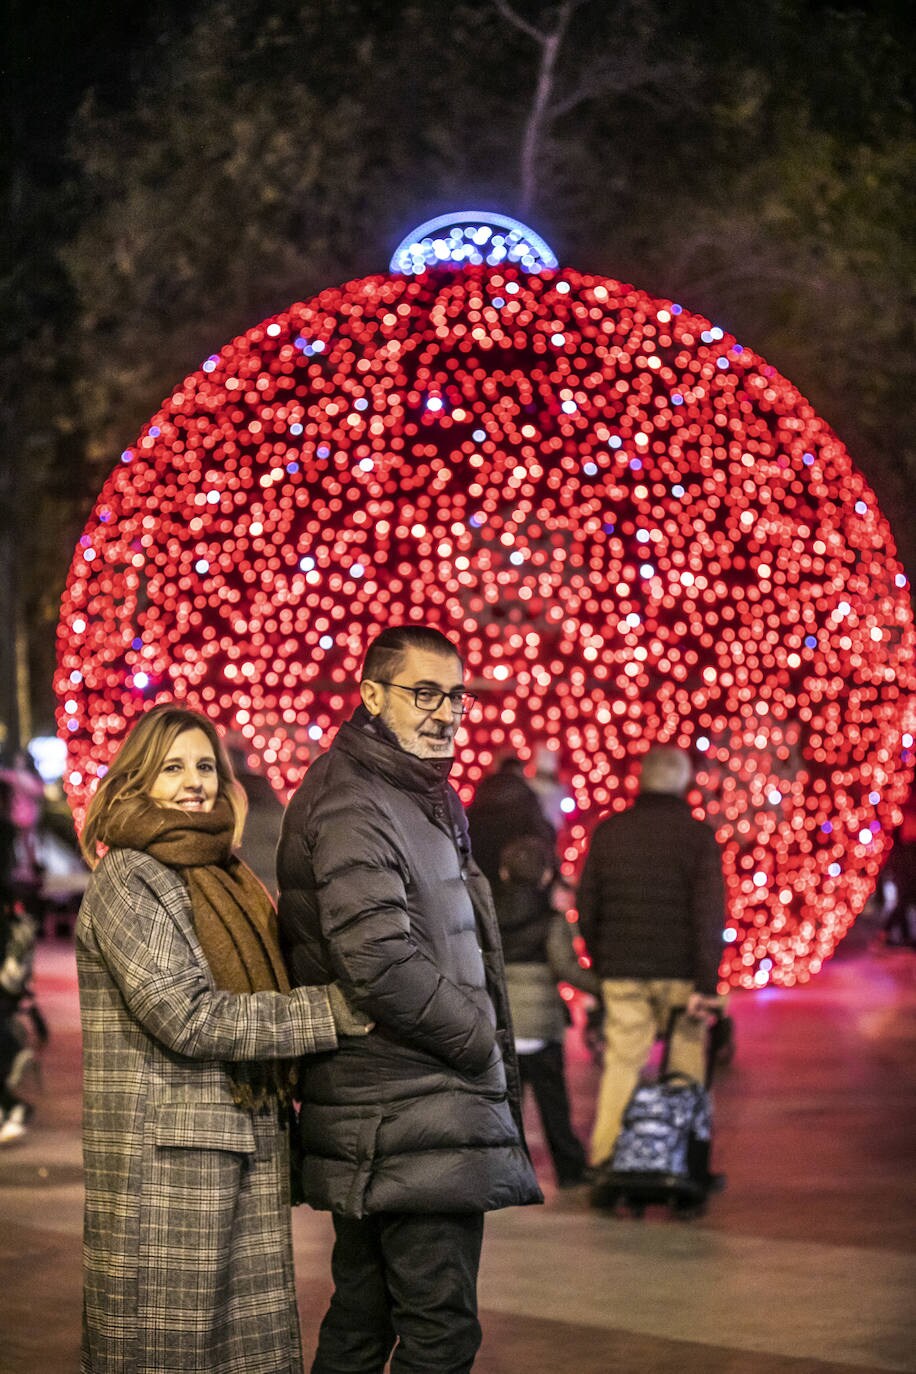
(636, 1010)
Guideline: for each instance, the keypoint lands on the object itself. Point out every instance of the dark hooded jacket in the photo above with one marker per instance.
(504, 809)
(378, 890)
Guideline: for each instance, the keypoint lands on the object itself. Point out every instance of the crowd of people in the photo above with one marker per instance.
(364, 1047)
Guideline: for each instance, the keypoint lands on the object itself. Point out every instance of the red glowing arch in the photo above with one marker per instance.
(636, 528)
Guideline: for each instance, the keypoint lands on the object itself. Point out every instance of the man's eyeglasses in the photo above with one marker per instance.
(431, 698)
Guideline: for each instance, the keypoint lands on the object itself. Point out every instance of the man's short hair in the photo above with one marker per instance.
(511, 763)
(387, 652)
(666, 769)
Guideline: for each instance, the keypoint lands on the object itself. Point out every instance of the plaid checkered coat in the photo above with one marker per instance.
(188, 1261)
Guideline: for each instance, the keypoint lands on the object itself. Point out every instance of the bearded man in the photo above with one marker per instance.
(410, 1133)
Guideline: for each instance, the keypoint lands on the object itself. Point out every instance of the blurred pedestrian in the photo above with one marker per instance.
(652, 913)
(190, 1036)
(7, 847)
(504, 808)
(25, 809)
(538, 950)
(897, 932)
(547, 787)
(17, 945)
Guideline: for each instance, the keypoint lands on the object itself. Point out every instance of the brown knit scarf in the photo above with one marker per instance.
(233, 916)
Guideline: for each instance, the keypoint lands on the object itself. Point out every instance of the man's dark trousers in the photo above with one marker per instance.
(405, 1277)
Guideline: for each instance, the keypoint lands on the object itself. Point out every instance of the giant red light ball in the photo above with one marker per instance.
(637, 530)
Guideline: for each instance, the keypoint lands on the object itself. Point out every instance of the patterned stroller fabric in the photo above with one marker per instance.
(660, 1122)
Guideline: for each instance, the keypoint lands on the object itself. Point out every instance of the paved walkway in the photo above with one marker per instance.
(806, 1264)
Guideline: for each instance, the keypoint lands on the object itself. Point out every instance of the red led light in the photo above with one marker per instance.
(639, 531)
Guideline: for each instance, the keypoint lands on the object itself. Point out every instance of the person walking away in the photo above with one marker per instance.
(651, 908)
(410, 1134)
(534, 938)
(897, 932)
(26, 806)
(190, 1038)
(18, 933)
(547, 787)
(504, 808)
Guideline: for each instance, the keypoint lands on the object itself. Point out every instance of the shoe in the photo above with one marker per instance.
(605, 1192)
(15, 1123)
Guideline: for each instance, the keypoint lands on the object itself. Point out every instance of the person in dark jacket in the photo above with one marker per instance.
(538, 950)
(17, 941)
(901, 869)
(651, 911)
(504, 809)
(410, 1133)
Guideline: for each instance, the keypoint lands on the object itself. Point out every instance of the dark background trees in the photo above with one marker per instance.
(178, 171)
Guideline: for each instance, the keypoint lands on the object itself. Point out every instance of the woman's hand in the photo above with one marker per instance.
(347, 1020)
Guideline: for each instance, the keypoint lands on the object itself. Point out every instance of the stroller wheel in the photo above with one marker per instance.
(685, 1209)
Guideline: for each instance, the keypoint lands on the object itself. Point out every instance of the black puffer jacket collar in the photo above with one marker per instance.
(368, 740)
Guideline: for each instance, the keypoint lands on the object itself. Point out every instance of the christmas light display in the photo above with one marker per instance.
(475, 236)
(637, 530)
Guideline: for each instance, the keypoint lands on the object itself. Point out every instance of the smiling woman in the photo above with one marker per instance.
(189, 1033)
(172, 758)
(188, 778)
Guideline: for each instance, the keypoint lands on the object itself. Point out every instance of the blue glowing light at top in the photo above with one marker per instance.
(471, 237)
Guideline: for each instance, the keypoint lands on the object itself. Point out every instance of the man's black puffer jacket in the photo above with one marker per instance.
(378, 891)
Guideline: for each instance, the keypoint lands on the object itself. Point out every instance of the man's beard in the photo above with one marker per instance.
(422, 741)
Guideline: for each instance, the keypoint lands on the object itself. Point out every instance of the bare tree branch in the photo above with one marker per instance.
(617, 78)
(538, 117)
(512, 16)
(631, 66)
